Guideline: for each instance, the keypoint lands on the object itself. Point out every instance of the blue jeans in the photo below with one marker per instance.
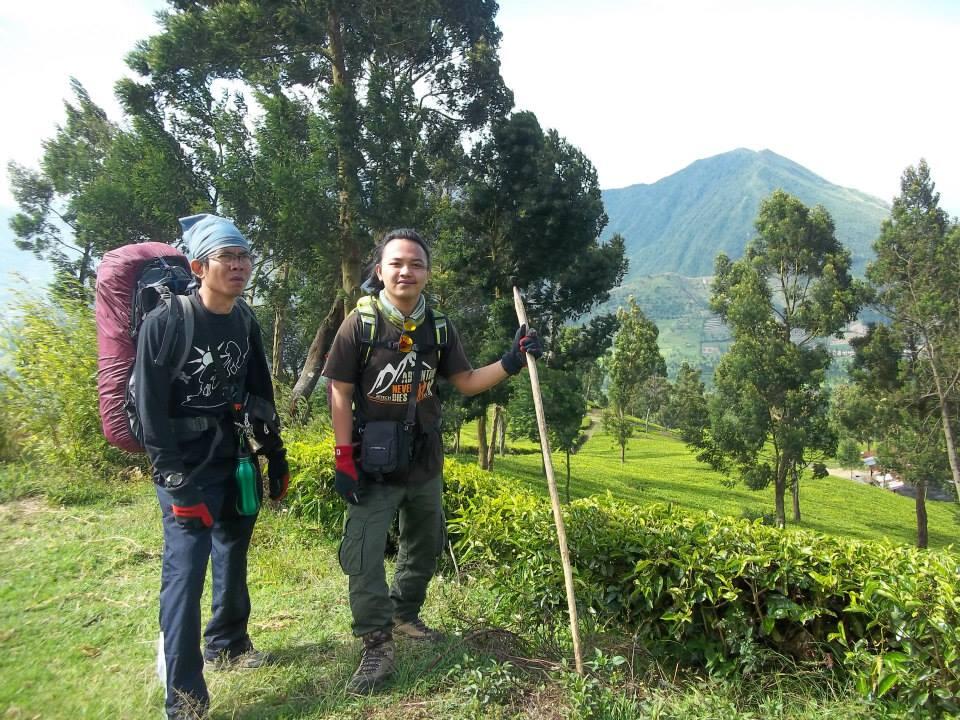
(185, 554)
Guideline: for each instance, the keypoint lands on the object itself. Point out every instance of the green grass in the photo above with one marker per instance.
(78, 609)
(660, 468)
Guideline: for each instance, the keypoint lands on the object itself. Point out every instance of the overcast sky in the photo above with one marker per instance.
(853, 90)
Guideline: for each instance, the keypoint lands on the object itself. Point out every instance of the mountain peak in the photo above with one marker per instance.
(681, 222)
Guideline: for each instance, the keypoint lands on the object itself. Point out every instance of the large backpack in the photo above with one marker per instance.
(131, 281)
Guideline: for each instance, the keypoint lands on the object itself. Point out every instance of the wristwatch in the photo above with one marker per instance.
(174, 481)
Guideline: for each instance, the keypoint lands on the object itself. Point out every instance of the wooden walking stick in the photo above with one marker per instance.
(552, 484)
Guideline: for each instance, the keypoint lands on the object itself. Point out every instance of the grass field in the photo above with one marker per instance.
(78, 611)
(660, 468)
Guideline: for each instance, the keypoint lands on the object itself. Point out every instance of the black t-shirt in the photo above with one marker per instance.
(198, 389)
(381, 389)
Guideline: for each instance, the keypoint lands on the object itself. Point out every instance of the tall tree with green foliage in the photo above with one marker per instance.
(848, 455)
(791, 289)
(564, 406)
(918, 286)
(395, 87)
(888, 368)
(635, 358)
(57, 220)
(686, 409)
(852, 411)
(532, 218)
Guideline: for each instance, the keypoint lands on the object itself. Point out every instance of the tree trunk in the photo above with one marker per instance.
(945, 421)
(310, 374)
(646, 421)
(482, 440)
(780, 491)
(494, 435)
(796, 497)
(502, 432)
(348, 189)
(921, 513)
(279, 321)
(623, 453)
(456, 440)
(568, 476)
(492, 447)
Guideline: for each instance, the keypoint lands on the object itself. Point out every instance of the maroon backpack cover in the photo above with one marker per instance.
(118, 278)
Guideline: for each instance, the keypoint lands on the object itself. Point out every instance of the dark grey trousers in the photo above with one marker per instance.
(365, 529)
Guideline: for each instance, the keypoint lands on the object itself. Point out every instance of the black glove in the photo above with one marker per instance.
(345, 479)
(189, 509)
(278, 474)
(523, 342)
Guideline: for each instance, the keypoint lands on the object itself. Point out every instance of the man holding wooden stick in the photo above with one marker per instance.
(389, 454)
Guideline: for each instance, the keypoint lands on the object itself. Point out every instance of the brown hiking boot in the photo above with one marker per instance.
(376, 663)
(418, 630)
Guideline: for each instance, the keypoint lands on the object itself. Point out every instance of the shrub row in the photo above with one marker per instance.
(717, 592)
(724, 593)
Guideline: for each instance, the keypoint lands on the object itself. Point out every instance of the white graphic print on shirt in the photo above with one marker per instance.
(393, 383)
(201, 377)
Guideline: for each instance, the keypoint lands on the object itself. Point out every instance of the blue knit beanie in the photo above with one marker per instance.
(205, 233)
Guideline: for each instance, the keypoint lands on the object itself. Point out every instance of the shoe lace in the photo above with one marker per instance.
(371, 658)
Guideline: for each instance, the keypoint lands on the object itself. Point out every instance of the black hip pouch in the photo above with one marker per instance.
(385, 447)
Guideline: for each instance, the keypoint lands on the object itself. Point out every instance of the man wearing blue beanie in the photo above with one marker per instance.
(207, 483)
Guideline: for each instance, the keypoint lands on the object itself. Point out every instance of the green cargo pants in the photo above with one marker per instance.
(365, 529)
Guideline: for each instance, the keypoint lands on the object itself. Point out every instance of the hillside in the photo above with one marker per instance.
(679, 223)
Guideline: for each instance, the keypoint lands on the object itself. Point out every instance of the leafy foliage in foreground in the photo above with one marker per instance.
(726, 594)
(48, 390)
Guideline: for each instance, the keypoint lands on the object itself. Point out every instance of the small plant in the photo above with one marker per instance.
(485, 683)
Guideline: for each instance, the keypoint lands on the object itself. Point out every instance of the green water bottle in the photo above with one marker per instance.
(248, 499)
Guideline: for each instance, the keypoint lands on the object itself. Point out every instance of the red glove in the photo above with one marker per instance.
(345, 479)
(190, 515)
(187, 504)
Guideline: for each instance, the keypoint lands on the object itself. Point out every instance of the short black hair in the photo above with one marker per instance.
(375, 284)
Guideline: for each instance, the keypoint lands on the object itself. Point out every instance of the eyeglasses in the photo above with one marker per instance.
(232, 258)
(405, 343)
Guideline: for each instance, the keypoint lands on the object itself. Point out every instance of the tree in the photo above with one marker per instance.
(686, 409)
(853, 411)
(636, 357)
(768, 414)
(888, 369)
(848, 455)
(654, 394)
(563, 405)
(532, 217)
(56, 220)
(395, 87)
(918, 287)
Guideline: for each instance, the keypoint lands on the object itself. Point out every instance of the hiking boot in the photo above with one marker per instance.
(416, 629)
(376, 663)
(247, 658)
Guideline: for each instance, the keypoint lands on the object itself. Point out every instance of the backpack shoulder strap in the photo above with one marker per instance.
(440, 330)
(367, 310)
(186, 307)
(246, 312)
(175, 314)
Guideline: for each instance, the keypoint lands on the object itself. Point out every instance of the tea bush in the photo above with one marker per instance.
(726, 594)
(710, 591)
